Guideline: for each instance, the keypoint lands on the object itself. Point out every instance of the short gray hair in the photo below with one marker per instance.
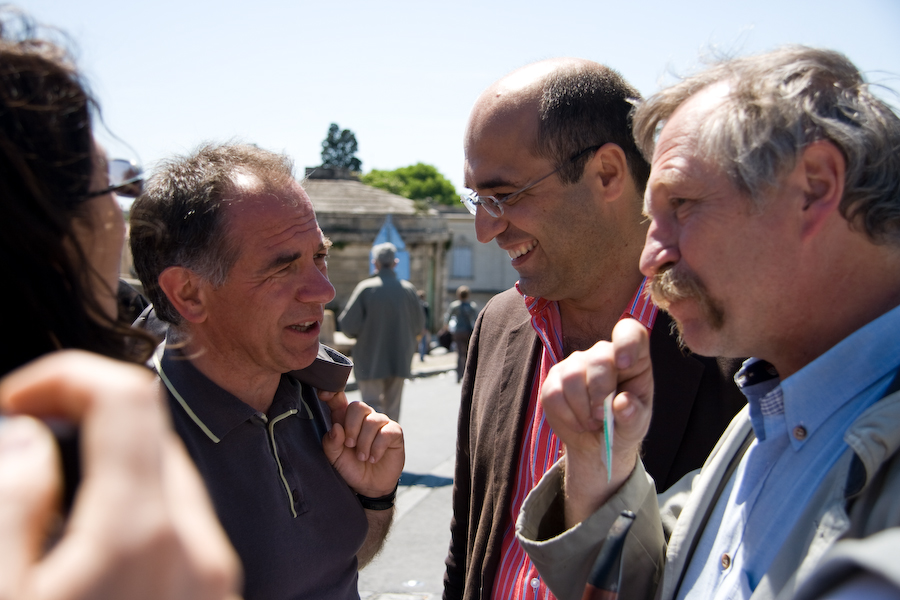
(384, 255)
(179, 220)
(778, 104)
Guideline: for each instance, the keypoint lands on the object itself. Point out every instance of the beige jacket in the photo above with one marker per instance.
(827, 545)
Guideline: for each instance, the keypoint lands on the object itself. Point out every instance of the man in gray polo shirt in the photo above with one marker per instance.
(229, 251)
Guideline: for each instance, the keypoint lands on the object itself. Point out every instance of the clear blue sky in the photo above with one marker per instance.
(403, 74)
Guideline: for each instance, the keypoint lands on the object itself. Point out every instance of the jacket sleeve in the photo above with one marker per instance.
(564, 559)
(853, 564)
(351, 318)
(457, 556)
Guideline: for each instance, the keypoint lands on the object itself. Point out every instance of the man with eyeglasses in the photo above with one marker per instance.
(557, 181)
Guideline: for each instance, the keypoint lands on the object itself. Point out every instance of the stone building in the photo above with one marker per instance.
(485, 268)
(351, 214)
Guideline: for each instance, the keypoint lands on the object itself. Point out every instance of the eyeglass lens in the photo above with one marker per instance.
(472, 202)
(125, 178)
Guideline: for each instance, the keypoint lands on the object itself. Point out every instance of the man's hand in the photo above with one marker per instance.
(364, 446)
(141, 526)
(572, 397)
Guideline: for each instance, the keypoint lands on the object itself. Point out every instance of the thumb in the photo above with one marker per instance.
(337, 403)
(29, 494)
(333, 443)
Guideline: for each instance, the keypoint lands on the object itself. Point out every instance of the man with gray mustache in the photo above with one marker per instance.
(557, 182)
(774, 207)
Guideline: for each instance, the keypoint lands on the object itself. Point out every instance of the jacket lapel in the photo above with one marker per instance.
(676, 380)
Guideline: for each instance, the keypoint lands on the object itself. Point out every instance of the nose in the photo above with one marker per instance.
(315, 288)
(659, 250)
(488, 227)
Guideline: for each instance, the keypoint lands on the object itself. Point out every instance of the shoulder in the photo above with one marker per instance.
(367, 284)
(510, 301)
(503, 313)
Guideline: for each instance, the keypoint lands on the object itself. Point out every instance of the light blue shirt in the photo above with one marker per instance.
(799, 425)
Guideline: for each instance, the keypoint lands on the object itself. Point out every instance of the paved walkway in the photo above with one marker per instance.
(438, 361)
(411, 564)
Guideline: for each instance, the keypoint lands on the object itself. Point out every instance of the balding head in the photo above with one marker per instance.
(564, 105)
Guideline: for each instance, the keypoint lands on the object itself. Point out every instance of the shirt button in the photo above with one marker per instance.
(295, 495)
(535, 583)
(726, 561)
(800, 432)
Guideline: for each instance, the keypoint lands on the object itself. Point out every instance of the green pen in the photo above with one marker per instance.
(608, 425)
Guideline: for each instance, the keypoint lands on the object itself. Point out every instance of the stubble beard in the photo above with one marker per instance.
(674, 284)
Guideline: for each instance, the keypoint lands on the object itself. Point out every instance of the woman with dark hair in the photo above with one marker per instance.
(141, 525)
(61, 237)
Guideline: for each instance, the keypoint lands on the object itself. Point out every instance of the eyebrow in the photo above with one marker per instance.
(492, 183)
(281, 260)
(286, 259)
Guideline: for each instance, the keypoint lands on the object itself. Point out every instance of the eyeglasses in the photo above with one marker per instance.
(493, 205)
(125, 179)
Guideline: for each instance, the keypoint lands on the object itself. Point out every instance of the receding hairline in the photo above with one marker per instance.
(524, 86)
(522, 91)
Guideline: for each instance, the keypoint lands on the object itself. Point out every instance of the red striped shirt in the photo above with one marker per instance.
(517, 579)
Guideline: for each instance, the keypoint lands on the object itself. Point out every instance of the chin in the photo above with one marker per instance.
(302, 358)
(699, 338)
(533, 287)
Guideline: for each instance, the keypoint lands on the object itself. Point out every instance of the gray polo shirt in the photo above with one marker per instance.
(291, 517)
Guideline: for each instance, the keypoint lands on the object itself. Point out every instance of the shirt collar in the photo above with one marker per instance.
(216, 411)
(860, 364)
(759, 382)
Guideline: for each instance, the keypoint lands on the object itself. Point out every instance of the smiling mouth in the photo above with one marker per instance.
(521, 250)
(303, 327)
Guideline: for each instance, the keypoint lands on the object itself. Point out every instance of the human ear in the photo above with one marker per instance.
(820, 170)
(608, 167)
(182, 287)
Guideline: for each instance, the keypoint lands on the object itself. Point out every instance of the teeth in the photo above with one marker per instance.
(524, 249)
(303, 326)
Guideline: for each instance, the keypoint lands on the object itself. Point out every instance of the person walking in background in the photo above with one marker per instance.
(385, 316)
(425, 341)
(460, 321)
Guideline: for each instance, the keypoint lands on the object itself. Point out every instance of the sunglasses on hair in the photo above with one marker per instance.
(125, 179)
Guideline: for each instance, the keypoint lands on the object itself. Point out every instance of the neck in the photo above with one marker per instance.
(588, 320)
(843, 322)
(253, 386)
(864, 286)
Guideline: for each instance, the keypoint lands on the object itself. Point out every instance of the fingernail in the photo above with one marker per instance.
(17, 434)
(361, 457)
(623, 360)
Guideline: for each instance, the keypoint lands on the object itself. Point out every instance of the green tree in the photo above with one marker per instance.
(416, 182)
(339, 149)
